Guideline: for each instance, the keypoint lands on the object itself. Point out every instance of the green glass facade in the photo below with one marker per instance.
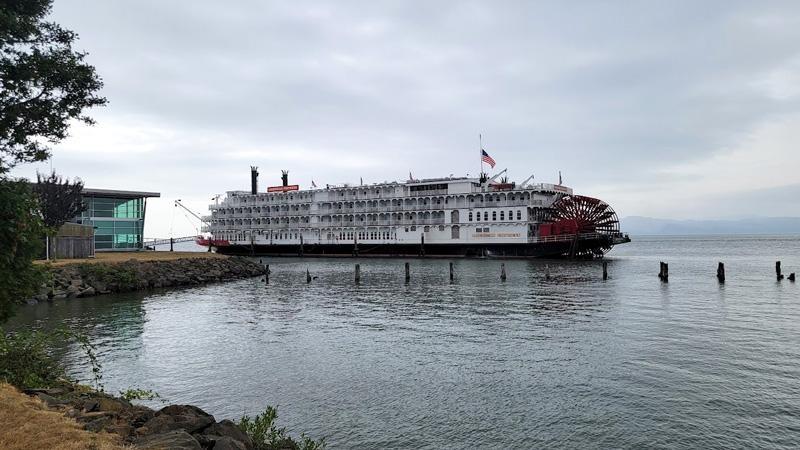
(118, 222)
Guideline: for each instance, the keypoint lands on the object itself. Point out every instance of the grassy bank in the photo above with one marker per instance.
(118, 257)
(28, 424)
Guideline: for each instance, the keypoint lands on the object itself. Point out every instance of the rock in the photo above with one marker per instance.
(50, 400)
(172, 440)
(226, 428)
(179, 417)
(227, 443)
(112, 404)
(88, 292)
(32, 301)
(97, 425)
(90, 405)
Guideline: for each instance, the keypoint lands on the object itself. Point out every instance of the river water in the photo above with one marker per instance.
(573, 361)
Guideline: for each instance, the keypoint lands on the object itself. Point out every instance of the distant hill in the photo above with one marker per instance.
(758, 225)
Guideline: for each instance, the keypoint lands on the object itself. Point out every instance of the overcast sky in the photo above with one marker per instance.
(663, 109)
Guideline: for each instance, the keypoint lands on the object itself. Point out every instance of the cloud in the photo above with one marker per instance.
(629, 100)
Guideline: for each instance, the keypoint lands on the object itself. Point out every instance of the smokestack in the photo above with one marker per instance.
(253, 180)
(285, 177)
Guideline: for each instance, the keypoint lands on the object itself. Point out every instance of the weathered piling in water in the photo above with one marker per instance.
(422, 245)
(358, 273)
(503, 272)
(171, 244)
(663, 273)
(300, 252)
(791, 277)
(547, 271)
(308, 276)
(266, 274)
(408, 273)
(778, 273)
(451, 272)
(721, 272)
(605, 270)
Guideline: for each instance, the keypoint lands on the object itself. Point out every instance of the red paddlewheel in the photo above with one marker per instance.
(589, 215)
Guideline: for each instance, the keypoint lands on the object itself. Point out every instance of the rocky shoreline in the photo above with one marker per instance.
(90, 279)
(182, 427)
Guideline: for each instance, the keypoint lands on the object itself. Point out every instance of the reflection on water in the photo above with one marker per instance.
(572, 361)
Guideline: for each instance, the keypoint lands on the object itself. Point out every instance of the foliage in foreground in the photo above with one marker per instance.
(27, 358)
(267, 436)
(45, 84)
(21, 230)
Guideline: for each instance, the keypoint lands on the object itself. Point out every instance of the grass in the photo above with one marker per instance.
(27, 424)
(116, 257)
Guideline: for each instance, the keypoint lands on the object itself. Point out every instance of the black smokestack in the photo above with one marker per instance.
(285, 177)
(253, 180)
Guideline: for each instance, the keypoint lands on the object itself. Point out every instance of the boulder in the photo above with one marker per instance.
(88, 292)
(179, 417)
(226, 428)
(172, 440)
(227, 443)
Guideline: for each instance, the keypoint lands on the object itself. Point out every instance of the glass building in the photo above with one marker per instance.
(117, 218)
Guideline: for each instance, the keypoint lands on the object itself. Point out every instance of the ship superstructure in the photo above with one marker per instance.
(451, 216)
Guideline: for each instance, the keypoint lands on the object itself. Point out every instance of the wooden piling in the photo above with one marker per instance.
(358, 273)
(308, 276)
(408, 273)
(422, 245)
(300, 253)
(663, 273)
(451, 272)
(547, 271)
(171, 243)
(791, 277)
(721, 272)
(503, 272)
(778, 273)
(266, 274)
(605, 270)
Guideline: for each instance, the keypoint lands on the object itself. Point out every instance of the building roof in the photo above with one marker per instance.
(89, 192)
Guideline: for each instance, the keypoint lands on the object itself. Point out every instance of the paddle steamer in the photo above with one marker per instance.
(451, 216)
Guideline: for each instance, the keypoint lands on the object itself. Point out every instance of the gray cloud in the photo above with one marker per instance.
(609, 92)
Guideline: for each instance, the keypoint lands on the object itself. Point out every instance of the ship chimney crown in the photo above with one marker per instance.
(253, 180)
(285, 177)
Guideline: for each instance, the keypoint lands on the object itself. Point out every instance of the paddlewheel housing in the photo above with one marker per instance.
(592, 221)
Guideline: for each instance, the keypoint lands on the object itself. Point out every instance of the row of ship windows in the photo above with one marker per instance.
(494, 215)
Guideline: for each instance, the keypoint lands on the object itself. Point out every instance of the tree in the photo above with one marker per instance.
(44, 83)
(59, 200)
(21, 230)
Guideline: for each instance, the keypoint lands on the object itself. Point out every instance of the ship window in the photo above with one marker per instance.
(414, 228)
(406, 229)
(479, 230)
(519, 214)
(494, 215)
(485, 216)
(470, 216)
(510, 215)
(502, 215)
(441, 227)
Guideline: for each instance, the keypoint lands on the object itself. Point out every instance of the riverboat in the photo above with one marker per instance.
(451, 216)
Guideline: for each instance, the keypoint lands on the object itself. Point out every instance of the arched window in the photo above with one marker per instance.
(470, 216)
(519, 214)
(502, 215)
(494, 215)
(486, 216)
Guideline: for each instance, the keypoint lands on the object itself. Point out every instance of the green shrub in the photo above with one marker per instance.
(266, 436)
(27, 358)
(138, 394)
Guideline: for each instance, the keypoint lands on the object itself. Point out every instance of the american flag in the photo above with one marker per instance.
(486, 158)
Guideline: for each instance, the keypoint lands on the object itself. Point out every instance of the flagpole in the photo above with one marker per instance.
(480, 153)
